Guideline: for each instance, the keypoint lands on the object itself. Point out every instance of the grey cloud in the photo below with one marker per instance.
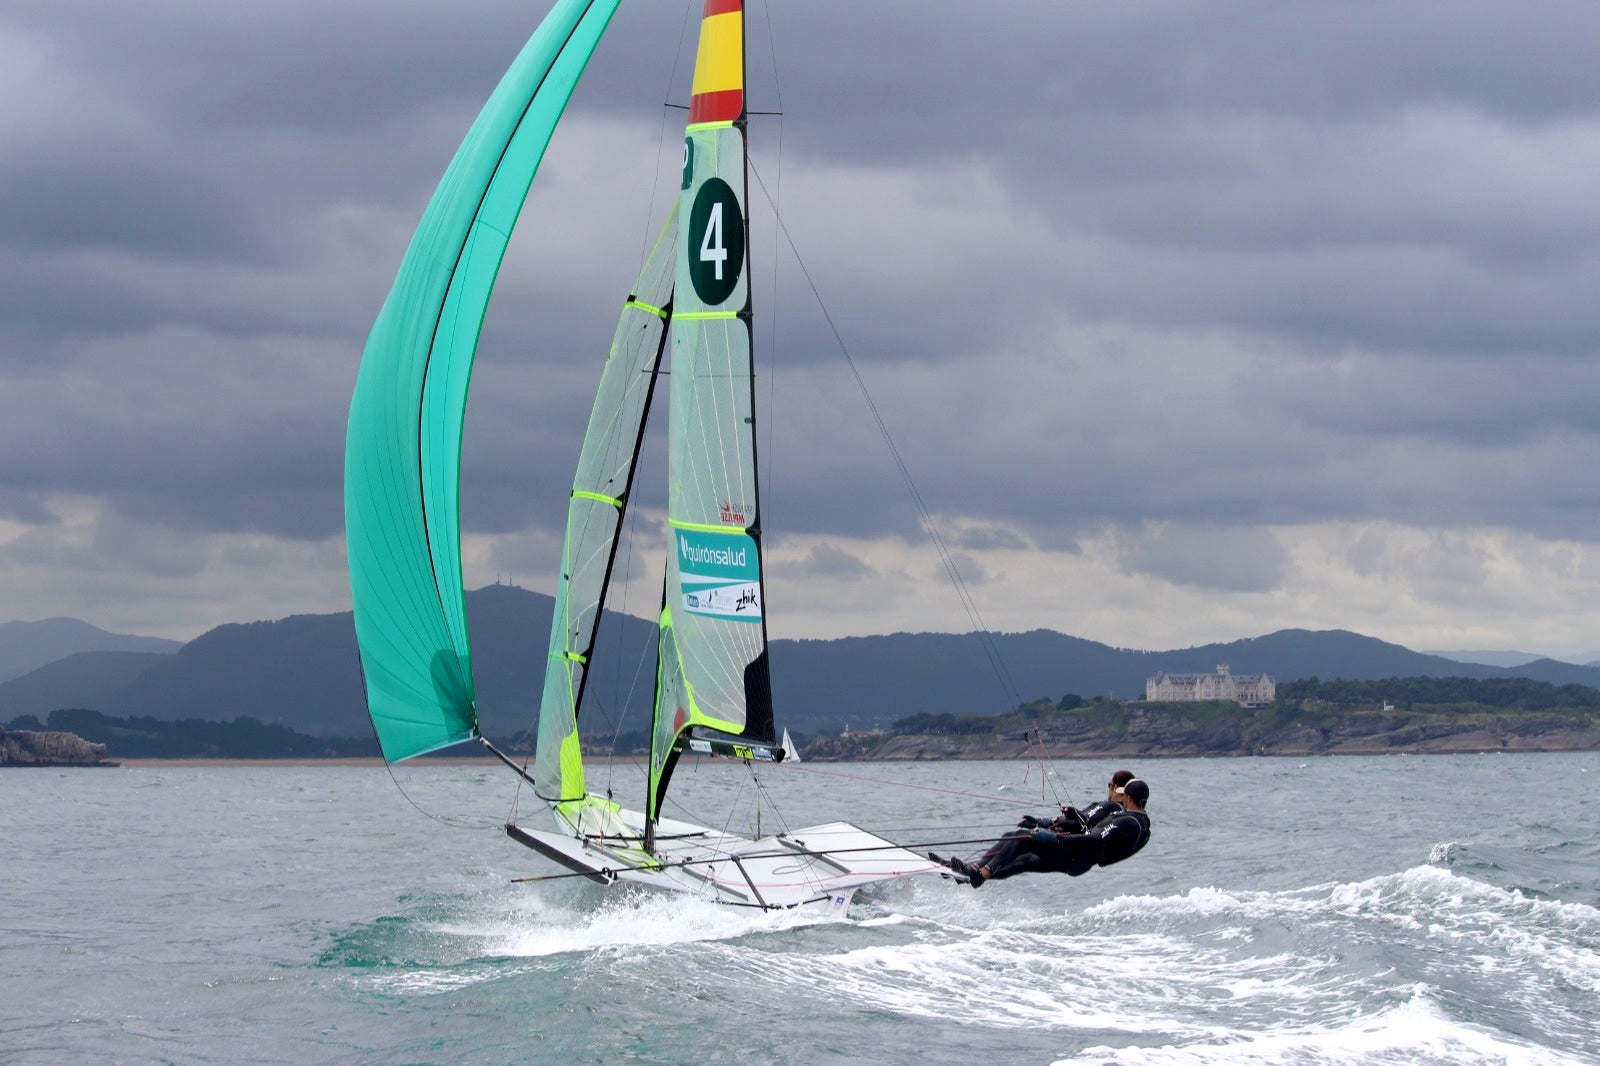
(987, 538)
(826, 561)
(971, 572)
(1101, 266)
(1212, 557)
(138, 548)
(26, 506)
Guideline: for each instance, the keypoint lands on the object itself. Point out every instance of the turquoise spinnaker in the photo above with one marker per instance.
(403, 449)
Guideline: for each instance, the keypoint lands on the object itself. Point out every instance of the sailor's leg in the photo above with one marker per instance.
(1019, 862)
(1006, 845)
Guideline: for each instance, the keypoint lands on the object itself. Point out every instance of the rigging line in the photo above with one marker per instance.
(919, 828)
(661, 136)
(631, 519)
(772, 315)
(963, 593)
(452, 822)
(748, 113)
(625, 701)
(808, 769)
(723, 855)
(1032, 755)
(1047, 766)
(598, 705)
(763, 794)
(777, 79)
(361, 668)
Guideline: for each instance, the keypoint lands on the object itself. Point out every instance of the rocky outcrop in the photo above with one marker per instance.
(23, 748)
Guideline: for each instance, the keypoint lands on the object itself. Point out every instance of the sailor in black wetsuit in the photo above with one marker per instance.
(1073, 820)
(1115, 834)
(1070, 820)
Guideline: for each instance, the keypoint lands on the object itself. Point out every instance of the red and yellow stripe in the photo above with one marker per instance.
(718, 92)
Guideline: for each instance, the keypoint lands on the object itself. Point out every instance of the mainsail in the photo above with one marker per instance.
(403, 449)
(712, 670)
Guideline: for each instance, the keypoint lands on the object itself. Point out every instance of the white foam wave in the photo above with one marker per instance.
(627, 921)
(532, 927)
(885, 920)
(1415, 1032)
(1277, 965)
(1413, 898)
(1035, 976)
(435, 982)
(984, 982)
(1287, 968)
(1501, 931)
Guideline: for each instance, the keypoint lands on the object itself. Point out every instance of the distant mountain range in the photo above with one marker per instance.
(1512, 658)
(26, 646)
(303, 672)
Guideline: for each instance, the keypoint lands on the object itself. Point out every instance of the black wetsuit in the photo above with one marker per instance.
(1117, 834)
(1073, 820)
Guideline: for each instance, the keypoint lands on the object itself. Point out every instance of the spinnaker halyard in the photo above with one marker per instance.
(713, 690)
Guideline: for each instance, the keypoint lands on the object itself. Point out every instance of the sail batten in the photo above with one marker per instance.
(403, 446)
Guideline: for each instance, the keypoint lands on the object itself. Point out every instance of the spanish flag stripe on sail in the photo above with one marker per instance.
(718, 92)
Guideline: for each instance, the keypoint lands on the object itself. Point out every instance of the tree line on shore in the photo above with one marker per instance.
(193, 738)
(1308, 702)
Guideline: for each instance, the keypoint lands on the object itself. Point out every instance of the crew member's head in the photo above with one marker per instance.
(1135, 794)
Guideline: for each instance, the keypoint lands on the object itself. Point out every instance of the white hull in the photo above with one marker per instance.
(821, 865)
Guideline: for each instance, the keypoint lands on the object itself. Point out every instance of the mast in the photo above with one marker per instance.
(712, 671)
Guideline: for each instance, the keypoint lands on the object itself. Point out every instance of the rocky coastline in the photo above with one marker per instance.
(28, 748)
(1162, 734)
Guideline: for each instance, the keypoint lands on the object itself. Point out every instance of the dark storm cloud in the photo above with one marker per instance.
(1101, 265)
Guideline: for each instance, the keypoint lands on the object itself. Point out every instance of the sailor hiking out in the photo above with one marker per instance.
(1109, 831)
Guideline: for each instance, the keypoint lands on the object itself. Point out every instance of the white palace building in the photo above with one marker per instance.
(1248, 690)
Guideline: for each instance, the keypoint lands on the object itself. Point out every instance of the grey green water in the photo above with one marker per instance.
(1358, 910)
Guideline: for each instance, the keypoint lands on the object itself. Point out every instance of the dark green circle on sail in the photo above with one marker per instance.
(715, 242)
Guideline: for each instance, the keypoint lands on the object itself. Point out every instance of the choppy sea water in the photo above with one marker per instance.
(1441, 909)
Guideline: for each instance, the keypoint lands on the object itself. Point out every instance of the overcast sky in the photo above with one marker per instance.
(1190, 321)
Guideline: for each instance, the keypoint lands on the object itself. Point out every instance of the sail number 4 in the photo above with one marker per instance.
(718, 222)
(712, 248)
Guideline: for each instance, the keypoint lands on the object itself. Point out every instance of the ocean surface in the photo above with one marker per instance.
(1438, 909)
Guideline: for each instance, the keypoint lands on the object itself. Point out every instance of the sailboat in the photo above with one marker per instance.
(713, 691)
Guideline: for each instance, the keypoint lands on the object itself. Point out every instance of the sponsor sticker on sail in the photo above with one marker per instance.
(720, 575)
